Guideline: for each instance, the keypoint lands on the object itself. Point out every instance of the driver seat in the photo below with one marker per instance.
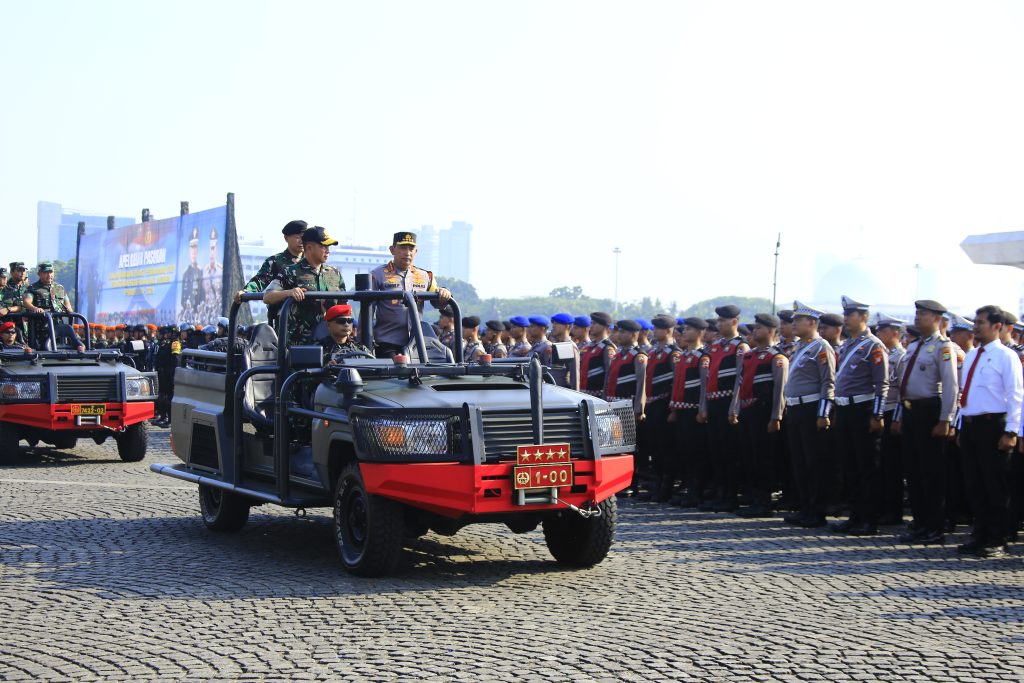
(258, 399)
(436, 351)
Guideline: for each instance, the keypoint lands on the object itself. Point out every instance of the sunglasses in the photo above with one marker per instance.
(8, 332)
(342, 321)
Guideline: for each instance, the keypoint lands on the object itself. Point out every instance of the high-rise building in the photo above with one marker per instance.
(57, 236)
(428, 252)
(454, 251)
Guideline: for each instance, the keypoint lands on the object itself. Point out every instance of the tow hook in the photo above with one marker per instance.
(300, 512)
(586, 513)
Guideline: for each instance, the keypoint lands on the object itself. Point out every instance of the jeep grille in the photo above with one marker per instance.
(76, 389)
(504, 431)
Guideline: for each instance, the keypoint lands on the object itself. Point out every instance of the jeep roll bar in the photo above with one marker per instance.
(31, 318)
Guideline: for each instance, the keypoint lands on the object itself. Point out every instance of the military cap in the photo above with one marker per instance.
(294, 228)
(958, 322)
(581, 321)
(495, 325)
(644, 323)
(7, 326)
(806, 311)
(663, 322)
(882, 320)
(743, 329)
(850, 305)
(562, 318)
(728, 311)
(45, 267)
(471, 321)
(17, 265)
(696, 323)
(785, 315)
(539, 320)
(3, 272)
(184, 327)
(601, 318)
(209, 329)
(223, 321)
(831, 319)
(628, 325)
(929, 305)
(404, 238)
(768, 320)
(519, 321)
(338, 310)
(319, 235)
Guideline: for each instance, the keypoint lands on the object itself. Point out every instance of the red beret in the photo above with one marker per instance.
(341, 309)
(6, 326)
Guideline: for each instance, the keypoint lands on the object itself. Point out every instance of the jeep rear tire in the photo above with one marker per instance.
(132, 442)
(10, 439)
(578, 542)
(222, 511)
(368, 529)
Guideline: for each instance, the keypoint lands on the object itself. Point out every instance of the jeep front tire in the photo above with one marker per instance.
(368, 529)
(132, 443)
(578, 542)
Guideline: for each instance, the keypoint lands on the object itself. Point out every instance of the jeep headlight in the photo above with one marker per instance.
(609, 431)
(21, 390)
(138, 387)
(387, 437)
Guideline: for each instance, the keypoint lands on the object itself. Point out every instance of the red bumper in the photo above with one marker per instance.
(453, 489)
(58, 417)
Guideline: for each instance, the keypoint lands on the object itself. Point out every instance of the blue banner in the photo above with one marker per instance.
(162, 271)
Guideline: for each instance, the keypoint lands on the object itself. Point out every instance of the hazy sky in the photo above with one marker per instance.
(688, 134)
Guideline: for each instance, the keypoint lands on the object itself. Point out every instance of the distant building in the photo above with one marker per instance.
(445, 252)
(428, 253)
(57, 236)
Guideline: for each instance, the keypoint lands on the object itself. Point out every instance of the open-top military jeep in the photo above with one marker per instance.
(51, 391)
(398, 447)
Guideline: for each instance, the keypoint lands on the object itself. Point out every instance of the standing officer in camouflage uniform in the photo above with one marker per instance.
(311, 274)
(862, 382)
(46, 295)
(928, 396)
(890, 489)
(810, 389)
(3, 278)
(273, 267)
(492, 339)
(12, 295)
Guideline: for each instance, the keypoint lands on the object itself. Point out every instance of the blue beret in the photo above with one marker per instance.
(519, 321)
(562, 318)
(582, 321)
(539, 320)
(644, 324)
(680, 321)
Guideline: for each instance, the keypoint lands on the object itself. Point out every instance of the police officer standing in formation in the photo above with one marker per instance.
(473, 348)
(391, 328)
(581, 331)
(520, 345)
(311, 274)
(492, 339)
(596, 357)
(689, 376)
(662, 359)
(928, 392)
(273, 267)
(861, 385)
(890, 486)
(561, 325)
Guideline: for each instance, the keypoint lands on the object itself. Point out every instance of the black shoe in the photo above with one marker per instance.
(813, 522)
(627, 493)
(931, 538)
(971, 547)
(863, 530)
(890, 520)
(794, 518)
(755, 512)
(725, 506)
(841, 527)
(990, 553)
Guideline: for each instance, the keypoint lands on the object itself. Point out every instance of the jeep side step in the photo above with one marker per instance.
(182, 472)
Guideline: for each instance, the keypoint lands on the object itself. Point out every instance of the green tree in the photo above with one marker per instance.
(462, 291)
(64, 273)
(571, 293)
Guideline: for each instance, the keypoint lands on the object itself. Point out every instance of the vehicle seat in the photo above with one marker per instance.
(258, 399)
(436, 351)
(66, 337)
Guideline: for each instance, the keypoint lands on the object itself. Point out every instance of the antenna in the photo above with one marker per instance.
(775, 273)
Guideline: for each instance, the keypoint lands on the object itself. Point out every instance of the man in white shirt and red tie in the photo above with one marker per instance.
(990, 422)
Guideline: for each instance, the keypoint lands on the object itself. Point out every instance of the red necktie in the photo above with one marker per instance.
(910, 369)
(970, 374)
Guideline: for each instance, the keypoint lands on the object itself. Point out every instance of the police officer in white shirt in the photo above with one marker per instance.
(990, 421)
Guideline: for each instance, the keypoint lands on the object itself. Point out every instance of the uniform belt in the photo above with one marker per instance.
(798, 400)
(680, 405)
(721, 393)
(854, 400)
(908, 403)
(984, 417)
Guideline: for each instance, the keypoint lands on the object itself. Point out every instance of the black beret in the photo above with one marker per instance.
(294, 228)
(786, 316)
(696, 323)
(913, 331)
(929, 305)
(728, 311)
(447, 312)
(768, 320)
(711, 322)
(507, 324)
(831, 319)
(601, 318)
(663, 322)
(495, 325)
(471, 321)
(627, 325)
(743, 329)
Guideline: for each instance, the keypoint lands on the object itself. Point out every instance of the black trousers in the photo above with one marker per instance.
(691, 449)
(890, 488)
(758, 449)
(658, 436)
(924, 464)
(724, 449)
(859, 451)
(1016, 490)
(987, 477)
(806, 448)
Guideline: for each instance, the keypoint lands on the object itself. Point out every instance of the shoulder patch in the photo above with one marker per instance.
(823, 357)
(780, 361)
(946, 355)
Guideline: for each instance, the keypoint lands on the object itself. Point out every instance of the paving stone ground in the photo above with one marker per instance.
(107, 573)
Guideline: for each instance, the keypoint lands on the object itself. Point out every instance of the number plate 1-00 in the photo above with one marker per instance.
(542, 476)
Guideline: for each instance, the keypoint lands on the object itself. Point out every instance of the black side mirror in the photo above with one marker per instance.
(349, 382)
(306, 357)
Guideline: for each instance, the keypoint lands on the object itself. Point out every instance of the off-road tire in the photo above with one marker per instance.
(9, 442)
(65, 442)
(222, 511)
(578, 542)
(132, 442)
(368, 530)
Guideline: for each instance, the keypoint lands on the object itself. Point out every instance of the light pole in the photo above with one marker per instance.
(616, 251)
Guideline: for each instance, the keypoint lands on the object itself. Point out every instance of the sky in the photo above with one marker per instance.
(688, 134)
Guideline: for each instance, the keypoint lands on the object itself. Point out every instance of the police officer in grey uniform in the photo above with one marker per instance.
(473, 347)
(492, 339)
(890, 491)
(928, 394)
(862, 382)
(810, 389)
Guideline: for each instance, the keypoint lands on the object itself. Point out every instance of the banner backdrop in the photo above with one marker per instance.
(162, 271)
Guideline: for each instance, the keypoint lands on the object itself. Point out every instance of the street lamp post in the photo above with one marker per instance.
(616, 251)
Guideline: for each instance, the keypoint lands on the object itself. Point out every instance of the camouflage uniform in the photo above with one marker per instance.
(306, 314)
(335, 352)
(272, 269)
(49, 298)
(13, 295)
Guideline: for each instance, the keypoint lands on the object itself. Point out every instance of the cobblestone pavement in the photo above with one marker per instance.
(107, 573)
